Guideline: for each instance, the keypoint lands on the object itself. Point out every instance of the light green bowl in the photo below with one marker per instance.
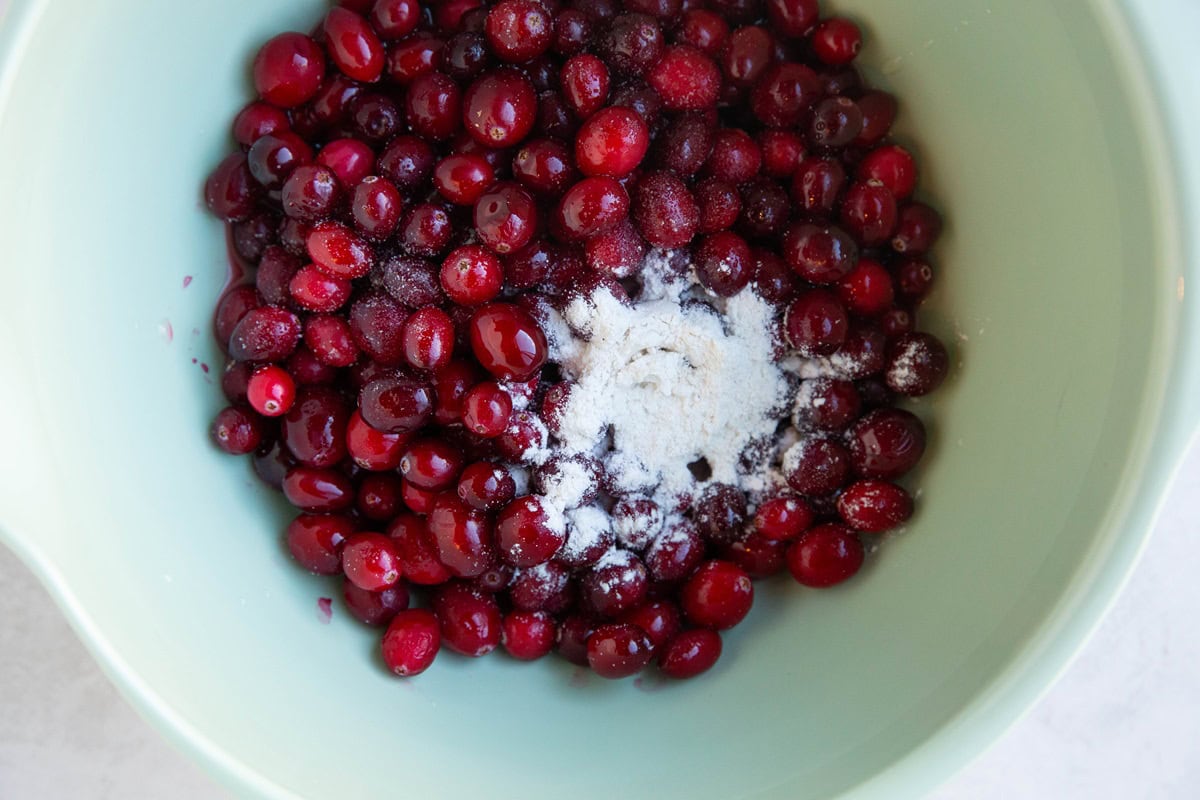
(1062, 275)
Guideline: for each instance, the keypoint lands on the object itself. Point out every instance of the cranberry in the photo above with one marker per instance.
(407, 162)
(735, 156)
(827, 404)
(869, 212)
(393, 19)
(721, 513)
(874, 506)
(428, 339)
(353, 46)
(773, 281)
(414, 56)
(528, 635)
(793, 18)
(893, 167)
(375, 608)
(718, 595)
(432, 106)
(237, 431)
(470, 620)
(824, 556)
(686, 143)
(411, 642)
(723, 263)
(275, 273)
(418, 551)
(917, 364)
(308, 370)
(372, 449)
(886, 443)
(426, 230)
(288, 70)
(500, 108)
(487, 409)
(592, 206)
(917, 228)
(690, 653)
(546, 587)
(719, 205)
(836, 41)
(230, 192)
(816, 323)
(616, 584)
(782, 152)
(817, 184)
(816, 466)
(379, 497)
(316, 540)
(310, 193)
(544, 166)
(527, 533)
(834, 123)
(759, 556)
(257, 120)
(314, 430)
(485, 486)
(554, 118)
(703, 30)
(584, 81)
(573, 634)
(764, 209)
(631, 44)
(611, 142)
(371, 561)
(254, 236)
(642, 99)
(914, 279)
(572, 32)
(783, 518)
(463, 536)
(376, 205)
(315, 290)
(618, 650)
(507, 342)
(676, 553)
(784, 93)
(518, 30)
(471, 275)
(505, 218)
(350, 160)
(431, 464)
(879, 111)
(412, 282)
(338, 250)
(462, 178)
(749, 53)
(396, 404)
(454, 15)
(685, 78)
(466, 56)
(272, 158)
(665, 212)
(235, 379)
(268, 333)
(819, 254)
(271, 391)
(450, 387)
(867, 290)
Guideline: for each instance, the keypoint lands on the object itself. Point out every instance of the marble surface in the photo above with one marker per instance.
(1123, 721)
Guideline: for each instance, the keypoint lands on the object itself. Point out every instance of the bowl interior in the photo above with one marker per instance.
(1052, 294)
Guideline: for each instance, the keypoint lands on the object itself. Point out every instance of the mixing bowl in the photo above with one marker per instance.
(1041, 131)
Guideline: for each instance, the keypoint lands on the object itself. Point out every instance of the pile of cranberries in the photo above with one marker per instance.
(413, 186)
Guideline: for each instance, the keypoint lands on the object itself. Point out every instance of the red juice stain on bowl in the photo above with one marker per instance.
(187, 281)
(324, 610)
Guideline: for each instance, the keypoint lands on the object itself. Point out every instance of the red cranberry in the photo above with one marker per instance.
(379, 497)
(377, 324)
(584, 81)
(265, 334)
(431, 464)
(617, 252)
(372, 449)
(592, 206)
(371, 561)
(310, 193)
(237, 431)
(396, 404)
(528, 635)
(827, 404)
(721, 513)
(519, 30)
(782, 152)
(393, 19)
(487, 409)
(462, 178)
(718, 595)
(288, 70)
(418, 551)
(271, 391)
(414, 56)
(412, 282)
(376, 205)
(783, 518)
(463, 536)
(914, 279)
(350, 160)
(255, 236)
(316, 540)
(819, 254)
(611, 142)
(836, 41)
(874, 506)
(470, 620)
(816, 323)
(500, 108)
(917, 364)
(749, 53)
(793, 18)
(618, 650)
(817, 184)
(308, 370)
(546, 587)
(407, 162)
(723, 263)
(759, 556)
(867, 290)
(411, 642)
(527, 533)
(432, 105)
(765, 209)
(719, 205)
(917, 227)
(879, 111)
(507, 342)
(773, 281)
(353, 46)
(618, 583)
(375, 608)
(690, 653)
(886, 443)
(235, 379)
(735, 156)
(783, 93)
(632, 44)
(471, 275)
(686, 143)
(230, 192)
(665, 212)
(426, 230)
(642, 99)
(869, 213)
(273, 157)
(375, 117)
(316, 290)
(451, 384)
(572, 32)
(544, 166)
(257, 120)
(453, 15)
(338, 250)
(834, 123)
(466, 56)
(824, 556)
(573, 634)
(685, 78)
(896, 321)
(485, 486)
(314, 430)
(703, 30)
(505, 218)
(676, 553)
(658, 618)
(815, 466)
(893, 167)
(428, 339)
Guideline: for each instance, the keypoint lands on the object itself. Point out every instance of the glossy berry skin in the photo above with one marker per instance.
(375, 608)
(486, 486)
(418, 551)
(618, 650)
(463, 177)
(487, 409)
(793, 18)
(723, 263)
(528, 635)
(592, 206)
(272, 158)
(526, 534)
(462, 535)
(917, 364)
(231, 191)
(316, 541)
(836, 41)
(428, 339)
(685, 78)
(432, 106)
(666, 213)
(819, 254)
(237, 431)
(271, 391)
(505, 218)
(544, 166)
(500, 108)
(869, 213)
(816, 466)
(371, 561)
(825, 556)
(431, 464)
(396, 405)
(411, 642)
(867, 290)
(338, 250)
(690, 653)
(353, 46)
(718, 595)
(257, 120)
(376, 205)
(611, 142)
(584, 81)
(658, 618)
(507, 342)
(372, 449)
(518, 30)
(470, 620)
(288, 70)
(471, 275)
(782, 518)
(612, 588)
(816, 323)
(891, 166)
(874, 506)
(886, 443)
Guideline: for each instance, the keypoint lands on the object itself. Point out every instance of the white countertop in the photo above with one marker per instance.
(1123, 722)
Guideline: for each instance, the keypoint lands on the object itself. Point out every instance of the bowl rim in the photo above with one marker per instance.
(1044, 656)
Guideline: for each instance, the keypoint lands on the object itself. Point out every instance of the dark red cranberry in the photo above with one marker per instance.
(917, 364)
(377, 324)
(834, 123)
(735, 156)
(703, 30)
(463, 536)
(371, 561)
(376, 205)
(825, 556)
(486, 486)
(528, 635)
(330, 340)
(658, 618)
(584, 81)
(426, 230)
(665, 212)
(718, 595)
(314, 430)
(288, 70)
(268, 333)
(554, 117)
(414, 56)
(462, 178)
(271, 391)
(308, 370)
(375, 608)
(253, 237)
(466, 56)
(257, 120)
(373, 449)
(773, 281)
(868, 211)
(431, 464)
(685, 78)
(618, 650)
(617, 584)
(782, 152)
(393, 19)
(452, 15)
(428, 339)
(690, 653)
(432, 106)
(353, 46)
(273, 157)
(527, 533)
(471, 275)
(544, 166)
(723, 263)
(407, 162)
(819, 254)
(235, 379)
(546, 587)
(642, 99)
(686, 143)
(631, 44)
(783, 93)
(764, 209)
(316, 540)
(275, 272)
(500, 108)
(827, 404)
(396, 404)
(350, 160)
(310, 193)
(375, 117)
(917, 228)
(719, 205)
(783, 518)
(750, 52)
(450, 387)
(315, 290)
(573, 634)
(230, 191)
(611, 142)
(592, 206)
(816, 466)
(836, 41)
(418, 551)
(896, 321)
(757, 555)
(487, 409)
(676, 553)
(914, 279)
(379, 497)
(817, 184)
(470, 620)
(721, 513)
(339, 251)
(519, 30)
(617, 252)
(411, 642)
(237, 430)
(816, 323)
(505, 218)
(793, 18)
(886, 443)
(867, 290)
(879, 111)
(874, 506)
(572, 32)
